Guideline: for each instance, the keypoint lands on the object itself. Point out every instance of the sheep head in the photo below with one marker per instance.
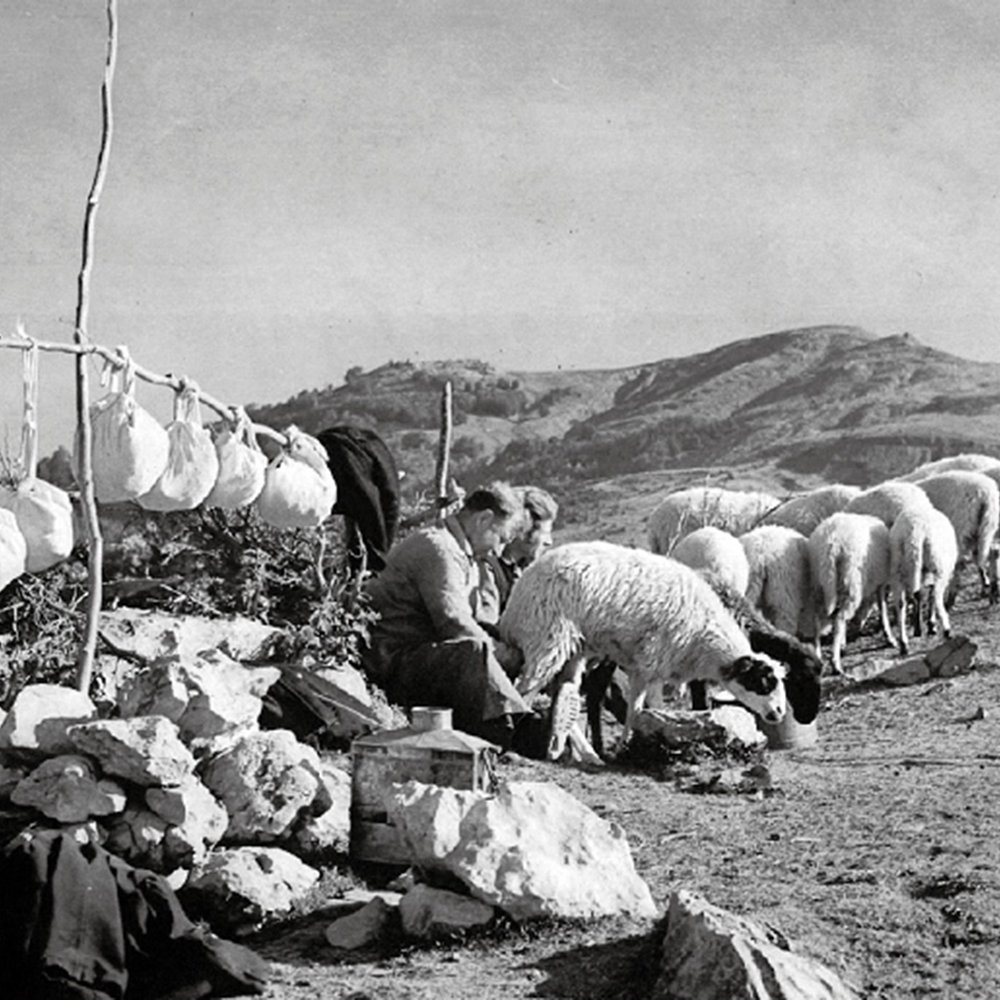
(758, 682)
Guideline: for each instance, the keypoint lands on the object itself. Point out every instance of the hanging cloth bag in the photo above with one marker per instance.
(192, 464)
(13, 549)
(43, 512)
(299, 491)
(129, 447)
(242, 465)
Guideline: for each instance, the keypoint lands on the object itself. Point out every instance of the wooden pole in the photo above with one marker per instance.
(84, 472)
(443, 453)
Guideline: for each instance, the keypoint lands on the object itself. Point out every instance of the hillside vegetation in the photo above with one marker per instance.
(785, 410)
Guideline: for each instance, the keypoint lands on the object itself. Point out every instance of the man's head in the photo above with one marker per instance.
(534, 535)
(489, 516)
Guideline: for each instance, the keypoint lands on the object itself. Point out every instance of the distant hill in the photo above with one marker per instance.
(784, 410)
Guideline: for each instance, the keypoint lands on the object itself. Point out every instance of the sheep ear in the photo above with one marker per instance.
(730, 671)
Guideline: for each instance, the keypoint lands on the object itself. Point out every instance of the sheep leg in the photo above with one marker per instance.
(596, 682)
(902, 607)
(637, 687)
(883, 608)
(839, 638)
(940, 611)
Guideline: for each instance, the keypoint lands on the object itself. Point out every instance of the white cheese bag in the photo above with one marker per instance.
(43, 512)
(192, 464)
(299, 491)
(13, 549)
(129, 448)
(242, 465)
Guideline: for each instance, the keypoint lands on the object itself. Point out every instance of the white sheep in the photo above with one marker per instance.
(780, 584)
(715, 551)
(966, 462)
(971, 502)
(658, 619)
(849, 558)
(886, 500)
(804, 511)
(685, 511)
(923, 552)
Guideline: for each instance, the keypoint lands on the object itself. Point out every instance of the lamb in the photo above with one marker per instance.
(805, 510)
(682, 512)
(923, 551)
(658, 619)
(971, 502)
(886, 500)
(780, 583)
(849, 558)
(715, 551)
(966, 462)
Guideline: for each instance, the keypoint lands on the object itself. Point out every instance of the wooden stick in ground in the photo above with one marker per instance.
(84, 472)
(444, 453)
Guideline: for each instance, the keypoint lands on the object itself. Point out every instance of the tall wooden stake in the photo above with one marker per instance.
(444, 452)
(84, 472)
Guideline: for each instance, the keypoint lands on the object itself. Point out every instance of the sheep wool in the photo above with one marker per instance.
(658, 619)
(780, 581)
(684, 511)
(849, 560)
(805, 510)
(712, 550)
(966, 462)
(887, 500)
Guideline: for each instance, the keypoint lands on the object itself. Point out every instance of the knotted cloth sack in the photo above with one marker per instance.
(192, 464)
(299, 491)
(13, 549)
(129, 448)
(43, 512)
(242, 465)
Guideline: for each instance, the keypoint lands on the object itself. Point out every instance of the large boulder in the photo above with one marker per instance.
(243, 887)
(146, 750)
(532, 850)
(267, 782)
(206, 694)
(37, 721)
(710, 954)
(66, 789)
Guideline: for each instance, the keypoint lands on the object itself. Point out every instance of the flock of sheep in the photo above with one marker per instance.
(804, 566)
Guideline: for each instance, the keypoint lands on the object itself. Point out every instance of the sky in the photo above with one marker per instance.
(296, 187)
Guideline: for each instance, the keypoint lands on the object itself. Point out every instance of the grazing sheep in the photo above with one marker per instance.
(966, 462)
(805, 510)
(923, 552)
(780, 584)
(802, 681)
(682, 512)
(658, 619)
(715, 551)
(971, 502)
(849, 557)
(886, 500)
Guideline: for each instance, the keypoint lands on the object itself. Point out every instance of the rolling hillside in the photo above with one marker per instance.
(784, 410)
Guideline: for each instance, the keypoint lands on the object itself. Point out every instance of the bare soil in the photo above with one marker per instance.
(876, 852)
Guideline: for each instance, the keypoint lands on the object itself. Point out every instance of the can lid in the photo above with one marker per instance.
(424, 718)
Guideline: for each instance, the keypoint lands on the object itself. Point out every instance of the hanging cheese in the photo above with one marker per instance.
(192, 464)
(299, 491)
(242, 465)
(43, 512)
(13, 549)
(129, 448)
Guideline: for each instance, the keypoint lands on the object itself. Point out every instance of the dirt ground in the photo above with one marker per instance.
(878, 853)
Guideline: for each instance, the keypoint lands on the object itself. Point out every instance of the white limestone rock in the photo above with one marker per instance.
(197, 820)
(267, 782)
(66, 789)
(364, 927)
(146, 750)
(37, 721)
(532, 850)
(710, 954)
(330, 831)
(243, 887)
(431, 913)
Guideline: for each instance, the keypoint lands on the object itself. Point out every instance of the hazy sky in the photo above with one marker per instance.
(299, 186)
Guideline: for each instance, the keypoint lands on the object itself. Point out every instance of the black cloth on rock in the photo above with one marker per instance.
(367, 490)
(79, 923)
